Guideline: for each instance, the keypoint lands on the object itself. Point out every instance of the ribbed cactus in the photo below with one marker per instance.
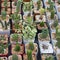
(17, 48)
(18, 6)
(44, 33)
(14, 57)
(29, 55)
(5, 4)
(31, 46)
(52, 14)
(3, 13)
(39, 4)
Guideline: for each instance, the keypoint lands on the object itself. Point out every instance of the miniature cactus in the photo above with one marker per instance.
(55, 23)
(29, 55)
(44, 33)
(17, 48)
(3, 13)
(15, 37)
(14, 57)
(39, 3)
(42, 24)
(52, 14)
(31, 46)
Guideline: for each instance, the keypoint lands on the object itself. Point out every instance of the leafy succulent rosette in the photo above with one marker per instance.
(29, 32)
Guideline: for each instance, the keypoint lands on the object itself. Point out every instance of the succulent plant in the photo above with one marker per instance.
(18, 6)
(29, 54)
(1, 49)
(14, 57)
(2, 38)
(17, 26)
(44, 33)
(31, 46)
(52, 14)
(5, 4)
(3, 13)
(42, 24)
(49, 1)
(55, 23)
(28, 7)
(15, 37)
(51, 7)
(15, 17)
(39, 3)
(29, 32)
(58, 43)
(49, 58)
(57, 33)
(42, 10)
(17, 48)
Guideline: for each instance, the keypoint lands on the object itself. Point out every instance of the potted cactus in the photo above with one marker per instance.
(5, 4)
(16, 38)
(49, 58)
(29, 32)
(42, 11)
(39, 4)
(52, 14)
(4, 38)
(29, 56)
(54, 24)
(3, 49)
(32, 46)
(15, 57)
(44, 35)
(17, 48)
(4, 15)
(41, 25)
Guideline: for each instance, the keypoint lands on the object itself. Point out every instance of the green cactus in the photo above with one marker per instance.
(39, 4)
(44, 33)
(55, 23)
(57, 33)
(1, 49)
(49, 58)
(18, 6)
(15, 37)
(3, 13)
(29, 55)
(31, 46)
(17, 48)
(52, 14)
(5, 4)
(49, 1)
(42, 24)
(14, 57)
(51, 7)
